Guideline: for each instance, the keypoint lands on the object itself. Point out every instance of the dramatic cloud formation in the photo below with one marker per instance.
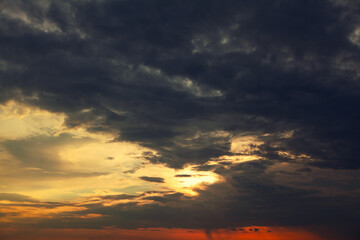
(191, 115)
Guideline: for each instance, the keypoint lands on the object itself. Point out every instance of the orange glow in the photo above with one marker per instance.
(248, 233)
(23, 212)
(264, 233)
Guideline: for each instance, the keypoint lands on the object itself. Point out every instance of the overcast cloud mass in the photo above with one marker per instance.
(228, 114)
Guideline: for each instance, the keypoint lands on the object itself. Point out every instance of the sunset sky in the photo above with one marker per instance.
(179, 120)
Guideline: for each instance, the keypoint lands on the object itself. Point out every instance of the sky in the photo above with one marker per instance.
(179, 119)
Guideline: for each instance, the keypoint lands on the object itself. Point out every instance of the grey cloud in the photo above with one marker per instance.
(168, 198)
(15, 197)
(119, 197)
(183, 175)
(153, 179)
(41, 151)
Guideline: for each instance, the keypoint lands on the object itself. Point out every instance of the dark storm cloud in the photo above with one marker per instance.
(168, 198)
(159, 72)
(153, 179)
(183, 77)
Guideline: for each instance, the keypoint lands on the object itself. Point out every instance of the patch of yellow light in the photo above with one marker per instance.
(93, 162)
(245, 144)
(75, 188)
(294, 156)
(184, 180)
(103, 156)
(235, 159)
(112, 202)
(287, 134)
(91, 215)
(17, 212)
(92, 165)
(81, 132)
(196, 178)
(18, 121)
(5, 202)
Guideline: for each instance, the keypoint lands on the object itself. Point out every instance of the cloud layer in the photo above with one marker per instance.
(183, 80)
